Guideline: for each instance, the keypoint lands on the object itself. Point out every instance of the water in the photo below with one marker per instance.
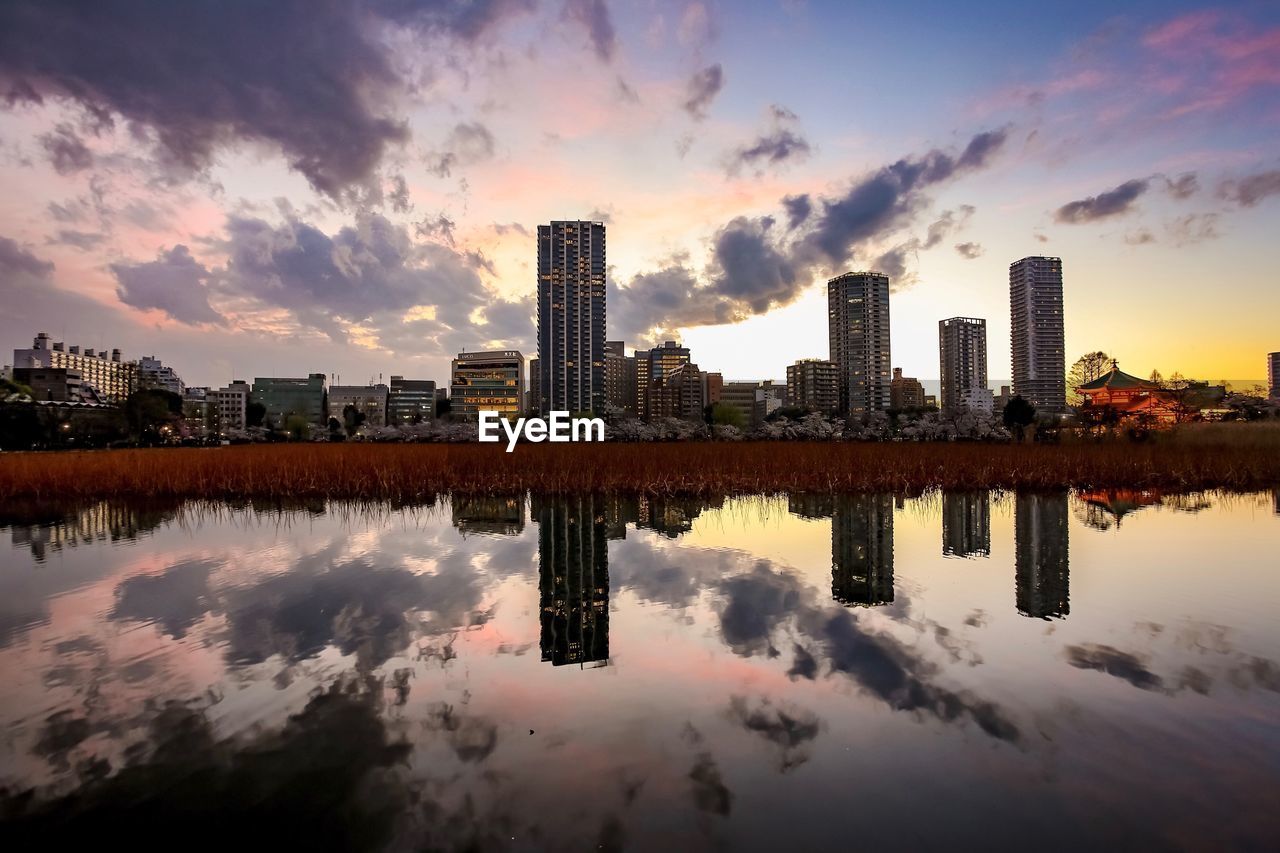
(530, 673)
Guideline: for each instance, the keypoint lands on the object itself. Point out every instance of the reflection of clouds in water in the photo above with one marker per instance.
(789, 728)
(175, 599)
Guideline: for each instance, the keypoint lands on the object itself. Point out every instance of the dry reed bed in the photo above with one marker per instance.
(418, 471)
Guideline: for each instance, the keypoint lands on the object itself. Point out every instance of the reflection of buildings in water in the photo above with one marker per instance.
(816, 506)
(1041, 568)
(96, 522)
(862, 550)
(1275, 496)
(619, 511)
(966, 524)
(1104, 507)
(573, 574)
(501, 515)
(673, 517)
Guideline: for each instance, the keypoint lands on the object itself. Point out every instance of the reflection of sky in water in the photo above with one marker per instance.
(564, 672)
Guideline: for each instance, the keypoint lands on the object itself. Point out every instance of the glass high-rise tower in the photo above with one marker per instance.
(571, 270)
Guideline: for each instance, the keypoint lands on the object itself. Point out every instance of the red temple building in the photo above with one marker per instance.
(1117, 393)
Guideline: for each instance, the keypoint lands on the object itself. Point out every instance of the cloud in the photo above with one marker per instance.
(780, 145)
(15, 260)
(1122, 665)
(66, 151)
(82, 240)
(399, 195)
(593, 17)
(1252, 189)
(969, 250)
(468, 143)
(1193, 228)
(702, 89)
(1114, 202)
(756, 265)
(1184, 186)
(174, 283)
(315, 81)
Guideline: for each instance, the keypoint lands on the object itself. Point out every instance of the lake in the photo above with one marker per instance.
(808, 672)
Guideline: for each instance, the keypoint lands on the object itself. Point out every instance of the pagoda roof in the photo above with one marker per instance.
(1117, 379)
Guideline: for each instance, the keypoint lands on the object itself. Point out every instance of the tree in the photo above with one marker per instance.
(1018, 415)
(443, 407)
(1157, 378)
(352, 419)
(297, 426)
(1087, 368)
(722, 414)
(150, 411)
(254, 414)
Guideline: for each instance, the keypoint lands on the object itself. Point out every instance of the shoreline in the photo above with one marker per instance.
(412, 472)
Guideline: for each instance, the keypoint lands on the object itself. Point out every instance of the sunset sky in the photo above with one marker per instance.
(352, 188)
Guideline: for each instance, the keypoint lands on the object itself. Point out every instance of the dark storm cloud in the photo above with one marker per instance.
(1122, 665)
(467, 144)
(593, 17)
(15, 260)
(312, 79)
(798, 208)
(66, 151)
(1113, 202)
(756, 603)
(756, 265)
(174, 283)
(780, 145)
(969, 250)
(702, 89)
(1252, 189)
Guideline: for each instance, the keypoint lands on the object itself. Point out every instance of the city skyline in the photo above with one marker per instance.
(387, 228)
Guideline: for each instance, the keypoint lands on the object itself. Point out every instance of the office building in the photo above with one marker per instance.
(573, 579)
(571, 317)
(862, 550)
(154, 374)
(287, 397)
(679, 394)
(976, 400)
(858, 326)
(233, 405)
(1036, 332)
(111, 378)
(56, 384)
(410, 401)
(712, 386)
(962, 360)
(368, 400)
(906, 392)
(966, 524)
(653, 364)
(620, 378)
(814, 384)
(487, 382)
(1273, 375)
(1042, 572)
(531, 399)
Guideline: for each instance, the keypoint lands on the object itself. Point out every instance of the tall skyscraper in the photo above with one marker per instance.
(1039, 347)
(571, 270)
(858, 323)
(962, 357)
(1273, 375)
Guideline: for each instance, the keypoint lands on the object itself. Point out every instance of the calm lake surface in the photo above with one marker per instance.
(813, 672)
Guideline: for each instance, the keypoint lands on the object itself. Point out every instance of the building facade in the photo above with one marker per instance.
(233, 405)
(653, 364)
(152, 373)
(487, 382)
(679, 394)
(858, 327)
(962, 359)
(410, 401)
(620, 378)
(109, 376)
(1273, 375)
(571, 316)
(814, 384)
(1036, 331)
(368, 400)
(906, 392)
(51, 384)
(285, 397)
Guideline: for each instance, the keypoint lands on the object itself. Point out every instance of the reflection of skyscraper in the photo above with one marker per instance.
(673, 517)
(810, 505)
(619, 511)
(1042, 571)
(47, 528)
(573, 572)
(966, 524)
(502, 515)
(862, 550)
(1276, 497)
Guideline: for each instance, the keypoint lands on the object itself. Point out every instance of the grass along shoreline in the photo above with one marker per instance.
(410, 472)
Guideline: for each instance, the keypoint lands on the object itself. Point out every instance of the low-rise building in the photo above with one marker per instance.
(57, 384)
(368, 400)
(233, 405)
(285, 397)
(905, 392)
(976, 400)
(411, 401)
(487, 382)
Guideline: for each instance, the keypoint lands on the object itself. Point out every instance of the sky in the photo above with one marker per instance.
(274, 189)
